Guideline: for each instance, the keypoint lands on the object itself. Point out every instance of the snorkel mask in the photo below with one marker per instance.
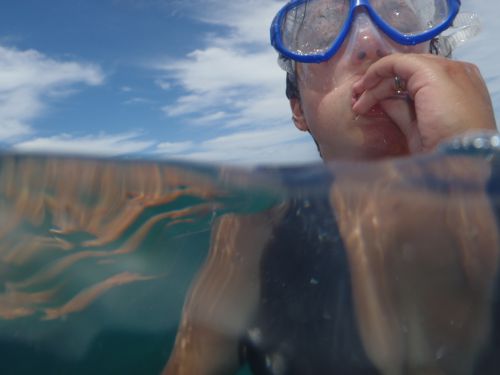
(312, 31)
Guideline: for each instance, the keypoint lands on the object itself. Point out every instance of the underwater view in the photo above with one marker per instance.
(97, 256)
(386, 267)
(249, 187)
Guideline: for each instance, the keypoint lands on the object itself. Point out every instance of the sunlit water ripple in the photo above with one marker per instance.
(97, 256)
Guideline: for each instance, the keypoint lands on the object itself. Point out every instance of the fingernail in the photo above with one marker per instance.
(356, 85)
(355, 97)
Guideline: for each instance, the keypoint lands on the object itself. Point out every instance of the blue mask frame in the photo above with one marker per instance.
(277, 42)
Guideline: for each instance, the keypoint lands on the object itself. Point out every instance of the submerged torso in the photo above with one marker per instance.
(305, 323)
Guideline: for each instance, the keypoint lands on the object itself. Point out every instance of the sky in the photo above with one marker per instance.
(166, 79)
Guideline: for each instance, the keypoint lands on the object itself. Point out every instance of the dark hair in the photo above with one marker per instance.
(292, 89)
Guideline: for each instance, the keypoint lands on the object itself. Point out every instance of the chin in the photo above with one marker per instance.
(383, 139)
(366, 139)
(387, 150)
(375, 152)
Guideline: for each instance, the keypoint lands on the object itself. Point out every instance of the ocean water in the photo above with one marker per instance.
(97, 258)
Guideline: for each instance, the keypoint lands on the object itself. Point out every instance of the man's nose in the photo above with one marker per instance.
(365, 42)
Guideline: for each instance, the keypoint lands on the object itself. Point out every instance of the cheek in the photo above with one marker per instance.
(329, 111)
(321, 78)
(330, 117)
(318, 79)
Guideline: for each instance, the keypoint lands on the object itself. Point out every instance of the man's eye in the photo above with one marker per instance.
(401, 17)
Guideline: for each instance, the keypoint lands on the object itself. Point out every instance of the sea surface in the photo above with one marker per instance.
(97, 255)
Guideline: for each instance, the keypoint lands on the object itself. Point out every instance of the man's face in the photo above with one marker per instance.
(327, 98)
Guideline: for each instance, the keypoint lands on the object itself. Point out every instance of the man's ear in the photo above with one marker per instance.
(298, 115)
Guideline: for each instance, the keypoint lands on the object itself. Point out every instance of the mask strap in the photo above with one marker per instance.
(465, 26)
(288, 65)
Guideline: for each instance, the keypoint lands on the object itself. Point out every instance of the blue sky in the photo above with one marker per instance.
(192, 79)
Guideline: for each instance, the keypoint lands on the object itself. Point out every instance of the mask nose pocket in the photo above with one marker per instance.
(365, 42)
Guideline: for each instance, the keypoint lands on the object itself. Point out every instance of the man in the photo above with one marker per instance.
(347, 90)
(299, 290)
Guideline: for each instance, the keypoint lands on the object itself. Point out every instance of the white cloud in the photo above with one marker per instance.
(163, 84)
(28, 80)
(252, 139)
(236, 73)
(278, 145)
(216, 69)
(248, 21)
(191, 104)
(235, 84)
(174, 147)
(10, 128)
(250, 87)
(293, 154)
(211, 118)
(102, 144)
(483, 50)
(137, 100)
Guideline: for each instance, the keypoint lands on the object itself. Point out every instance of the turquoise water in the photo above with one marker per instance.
(97, 256)
(68, 226)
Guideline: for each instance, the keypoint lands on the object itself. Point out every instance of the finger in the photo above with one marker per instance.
(400, 108)
(401, 65)
(402, 112)
(385, 89)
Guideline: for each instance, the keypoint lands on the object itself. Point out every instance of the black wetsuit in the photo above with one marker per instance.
(305, 322)
(489, 360)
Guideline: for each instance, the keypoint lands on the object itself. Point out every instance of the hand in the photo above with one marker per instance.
(444, 98)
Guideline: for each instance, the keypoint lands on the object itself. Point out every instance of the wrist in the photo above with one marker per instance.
(484, 143)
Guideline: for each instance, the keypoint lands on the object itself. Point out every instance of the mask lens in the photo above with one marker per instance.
(311, 27)
(412, 17)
